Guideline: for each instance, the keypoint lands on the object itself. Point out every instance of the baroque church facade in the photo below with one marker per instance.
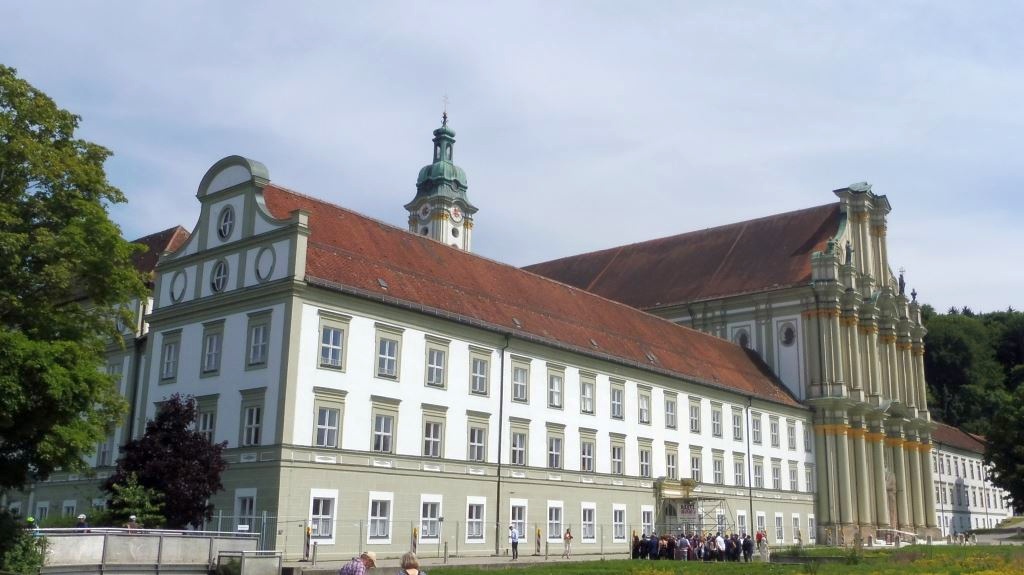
(381, 387)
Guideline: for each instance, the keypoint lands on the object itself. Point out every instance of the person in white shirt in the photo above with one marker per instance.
(513, 536)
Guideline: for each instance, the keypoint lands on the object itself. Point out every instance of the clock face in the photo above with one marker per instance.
(456, 214)
(424, 211)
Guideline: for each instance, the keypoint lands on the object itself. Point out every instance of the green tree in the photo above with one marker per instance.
(20, 551)
(1005, 449)
(66, 274)
(128, 498)
(177, 461)
(965, 382)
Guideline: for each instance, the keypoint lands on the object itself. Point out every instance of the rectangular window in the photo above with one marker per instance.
(588, 530)
(616, 395)
(694, 415)
(258, 340)
(670, 465)
(741, 522)
(380, 519)
(645, 462)
(807, 438)
(791, 435)
(617, 450)
(246, 509)
(780, 535)
(647, 519)
(716, 420)
(587, 396)
(211, 351)
(796, 526)
(809, 478)
(206, 416)
(432, 437)
(327, 421)
(554, 522)
(619, 524)
(554, 452)
(333, 329)
(695, 467)
(644, 405)
(793, 485)
(773, 427)
(811, 534)
(475, 521)
(252, 421)
(430, 524)
(555, 390)
(738, 469)
(437, 358)
(103, 452)
(670, 412)
(479, 370)
(387, 355)
(776, 477)
(322, 520)
(517, 515)
(758, 474)
(383, 430)
(477, 444)
(68, 509)
(755, 428)
(518, 448)
(520, 383)
(169, 355)
(717, 469)
(761, 523)
(587, 456)
(737, 424)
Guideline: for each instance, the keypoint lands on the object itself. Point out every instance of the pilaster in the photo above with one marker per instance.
(858, 435)
(895, 443)
(875, 438)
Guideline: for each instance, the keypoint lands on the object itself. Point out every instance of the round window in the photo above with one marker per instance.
(787, 335)
(226, 222)
(178, 284)
(425, 231)
(219, 281)
(455, 232)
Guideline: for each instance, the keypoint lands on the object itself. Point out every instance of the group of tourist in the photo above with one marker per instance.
(699, 547)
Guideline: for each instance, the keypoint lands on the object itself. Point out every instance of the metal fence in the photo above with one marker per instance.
(301, 538)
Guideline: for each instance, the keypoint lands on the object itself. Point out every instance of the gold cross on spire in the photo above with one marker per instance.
(444, 115)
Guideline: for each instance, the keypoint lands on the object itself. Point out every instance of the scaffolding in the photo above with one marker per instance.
(680, 511)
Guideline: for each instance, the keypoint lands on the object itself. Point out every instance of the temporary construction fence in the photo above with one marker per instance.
(301, 538)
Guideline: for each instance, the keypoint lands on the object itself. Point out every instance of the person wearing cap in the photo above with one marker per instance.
(132, 523)
(359, 565)
(31, 524)
(82, 524)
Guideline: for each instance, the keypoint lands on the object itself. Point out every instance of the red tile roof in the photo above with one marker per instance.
(757, 255)
(953, 437)
(156, 244)
(351, 252)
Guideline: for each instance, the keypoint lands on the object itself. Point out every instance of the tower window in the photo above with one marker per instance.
(449, 153)
(455, 232)
(437, 152)
(425, 231)
(788, 334)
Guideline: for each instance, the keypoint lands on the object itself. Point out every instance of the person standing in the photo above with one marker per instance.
(513, 536)
(82, 523)
(359, 565)
(567, 539)
(410, 565)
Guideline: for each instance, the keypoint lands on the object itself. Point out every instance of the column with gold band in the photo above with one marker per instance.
(860, 460)
(899, 464)
(821, 477)
(843, 467)
(912, 449)
(929, 482)
(876, 440)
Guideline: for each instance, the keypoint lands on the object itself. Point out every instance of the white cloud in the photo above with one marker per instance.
(580, 126)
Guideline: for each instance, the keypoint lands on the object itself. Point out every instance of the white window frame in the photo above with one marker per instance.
(252, 425)
(716, 420)
(694, 411)
(258, 340)
(644, 407)
(671, 417)
(587, 455)
(477, 443)
(755, 428)
(518, 440)
(476, 519)
(588, 522)
(587, 387)
(521, 382)
(430, 523)
(555, 520)
(556, 384)
(647, 518)
(432, 443)
(479, 374)
(331, 518)
(322, 436)
(383, 439)
(619, 522)
(644, 456)
(436, 365)
(378, 517)
(331, 345)
(555, 448)
(617, 400)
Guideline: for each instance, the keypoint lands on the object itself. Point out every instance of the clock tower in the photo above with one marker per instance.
(441, 210)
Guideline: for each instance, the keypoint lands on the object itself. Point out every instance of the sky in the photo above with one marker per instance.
(580, 125)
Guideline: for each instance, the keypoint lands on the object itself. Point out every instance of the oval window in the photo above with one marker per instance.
(226, 222)
(219, 281)
(743, 338)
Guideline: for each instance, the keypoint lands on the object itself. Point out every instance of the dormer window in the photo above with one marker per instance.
(226, 222)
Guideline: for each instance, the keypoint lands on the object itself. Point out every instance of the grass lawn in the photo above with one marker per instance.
(914, 560)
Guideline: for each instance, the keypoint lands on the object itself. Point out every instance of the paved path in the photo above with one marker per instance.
(389, 565)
